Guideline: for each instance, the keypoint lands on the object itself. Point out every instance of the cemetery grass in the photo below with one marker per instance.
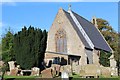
(8, 77)
(74, 77)
(110, 78)
(77, 77)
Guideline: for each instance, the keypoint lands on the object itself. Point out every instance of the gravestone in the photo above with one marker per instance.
(35, 71)
(11, 65)
(56, 69)
(14, 72)
(113, 64)
(1, 63)
(64, 75)
(47, 73)
(12, 68)
(112, 61)
(105, 71)
(91, 70)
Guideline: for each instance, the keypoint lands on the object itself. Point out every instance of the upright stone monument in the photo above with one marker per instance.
(11, 65)
(12, 68)
(35, 71)
(113, 67)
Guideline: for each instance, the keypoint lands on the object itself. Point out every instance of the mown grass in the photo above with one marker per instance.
(95, 79)
(19, 77)
(77, 77)
(107, 78)
(73, 77)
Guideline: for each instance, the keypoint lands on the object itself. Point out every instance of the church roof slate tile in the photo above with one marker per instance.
(92, 32)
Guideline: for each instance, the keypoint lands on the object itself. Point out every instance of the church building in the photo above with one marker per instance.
(73, 40)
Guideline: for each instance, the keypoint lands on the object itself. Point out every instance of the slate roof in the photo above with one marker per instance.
(92, 32)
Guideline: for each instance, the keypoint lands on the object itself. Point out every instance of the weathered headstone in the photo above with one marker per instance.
(112, 61)
(64, 75)
(67, 68)
(11, 65)
(113, 67)
(90, 70)
(14, 72)
(56, 69)
(1, 63)
(12, 68)
(105, 71)
(47, 73)
(35, 71)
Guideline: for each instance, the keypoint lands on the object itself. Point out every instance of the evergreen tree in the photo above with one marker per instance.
(7, 47)
(42, 47)
(104, 58)
(7, 51)
(30, 45)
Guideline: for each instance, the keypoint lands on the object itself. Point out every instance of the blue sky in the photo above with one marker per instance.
(42, 14)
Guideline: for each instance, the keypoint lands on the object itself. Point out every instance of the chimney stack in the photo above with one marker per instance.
(94, 21)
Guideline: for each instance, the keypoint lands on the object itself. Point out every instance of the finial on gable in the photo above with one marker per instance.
(69, 7)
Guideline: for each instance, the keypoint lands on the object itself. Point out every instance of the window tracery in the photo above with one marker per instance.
(61, 41)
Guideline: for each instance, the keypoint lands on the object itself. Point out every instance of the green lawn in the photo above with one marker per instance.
(110, 78)
(19, 77)
(73, 77)
(77, 77)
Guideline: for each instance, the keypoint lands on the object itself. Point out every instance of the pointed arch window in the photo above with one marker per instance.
(61, 41)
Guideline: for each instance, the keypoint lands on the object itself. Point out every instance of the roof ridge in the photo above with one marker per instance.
(82, 17)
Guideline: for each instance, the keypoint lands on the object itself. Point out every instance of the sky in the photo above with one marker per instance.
(41, 15)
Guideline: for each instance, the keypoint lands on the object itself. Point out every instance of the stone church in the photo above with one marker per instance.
(73, 40)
